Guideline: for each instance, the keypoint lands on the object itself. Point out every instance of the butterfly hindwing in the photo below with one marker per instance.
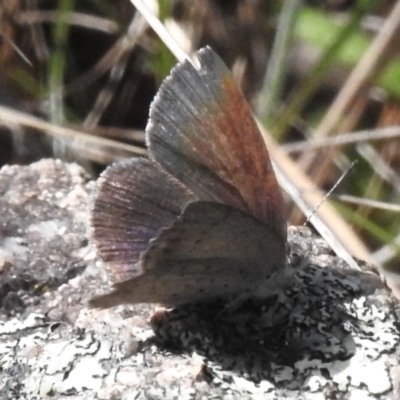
(212, 250)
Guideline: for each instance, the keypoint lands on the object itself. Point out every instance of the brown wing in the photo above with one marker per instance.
(134, 200)
(201, 130)
(212, 250)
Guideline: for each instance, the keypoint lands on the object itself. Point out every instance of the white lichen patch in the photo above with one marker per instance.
(59, 356)
(374, 376)
(66, 365)
(85, 375)
(15, 325)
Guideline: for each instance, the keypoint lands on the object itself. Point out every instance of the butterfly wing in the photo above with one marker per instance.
(130, 208)
(201, 130)
(231, 235)
(211, 250)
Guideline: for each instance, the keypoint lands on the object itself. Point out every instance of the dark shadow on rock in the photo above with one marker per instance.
(314, 320)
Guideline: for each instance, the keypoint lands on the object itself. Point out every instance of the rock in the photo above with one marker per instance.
(332, 333)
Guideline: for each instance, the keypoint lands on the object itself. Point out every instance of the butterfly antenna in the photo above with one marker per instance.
(331, 190)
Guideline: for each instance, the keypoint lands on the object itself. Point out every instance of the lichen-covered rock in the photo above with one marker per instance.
(43, 232)
(331, 333)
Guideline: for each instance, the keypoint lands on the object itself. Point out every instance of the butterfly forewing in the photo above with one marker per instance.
(201, 130)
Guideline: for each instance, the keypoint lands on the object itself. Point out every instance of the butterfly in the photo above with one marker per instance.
(202, 217)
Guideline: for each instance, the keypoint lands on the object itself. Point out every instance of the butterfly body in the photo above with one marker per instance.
(203, 217)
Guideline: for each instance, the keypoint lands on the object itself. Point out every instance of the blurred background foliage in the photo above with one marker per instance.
(91, 69)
